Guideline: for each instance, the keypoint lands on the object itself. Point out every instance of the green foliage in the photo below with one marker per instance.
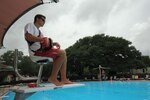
(108, 51)
(9, 56)
(27, 67)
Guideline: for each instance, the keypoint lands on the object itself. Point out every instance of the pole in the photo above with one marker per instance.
(100, 73)
(16, 61)
(16, 58)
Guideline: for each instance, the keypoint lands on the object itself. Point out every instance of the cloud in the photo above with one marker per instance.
(70, 20)
(96, 10)
(125, 16)
(141, 41)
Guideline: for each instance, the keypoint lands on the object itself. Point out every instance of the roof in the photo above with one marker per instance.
(6, 68)
(11, 11)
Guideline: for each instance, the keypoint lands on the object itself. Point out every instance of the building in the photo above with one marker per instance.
(7, 73)
(141, 71)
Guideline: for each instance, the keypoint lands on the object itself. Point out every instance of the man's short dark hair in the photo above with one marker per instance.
(39, 16)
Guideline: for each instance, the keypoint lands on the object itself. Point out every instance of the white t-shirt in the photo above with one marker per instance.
(32, 29)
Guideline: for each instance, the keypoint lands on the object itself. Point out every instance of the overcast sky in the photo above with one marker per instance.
(70, 20)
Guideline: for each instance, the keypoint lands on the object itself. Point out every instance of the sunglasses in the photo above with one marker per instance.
(43, 19)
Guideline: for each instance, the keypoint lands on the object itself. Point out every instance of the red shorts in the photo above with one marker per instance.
(52, 53)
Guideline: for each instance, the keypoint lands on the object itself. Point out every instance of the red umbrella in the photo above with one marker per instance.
(12, 10)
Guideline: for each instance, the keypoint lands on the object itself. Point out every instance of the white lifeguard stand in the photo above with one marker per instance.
(24, 92)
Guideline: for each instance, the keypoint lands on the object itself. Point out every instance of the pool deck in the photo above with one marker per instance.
(3, 91)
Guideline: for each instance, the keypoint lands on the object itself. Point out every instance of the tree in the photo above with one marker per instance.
(27, 67)
(115, 52)
(9, 57)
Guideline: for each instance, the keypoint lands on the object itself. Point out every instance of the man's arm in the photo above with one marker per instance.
(43, 40)
(32, 38)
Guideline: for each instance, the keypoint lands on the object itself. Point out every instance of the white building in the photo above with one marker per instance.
(141, 71)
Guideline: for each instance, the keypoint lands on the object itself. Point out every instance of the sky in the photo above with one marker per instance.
(71, 20)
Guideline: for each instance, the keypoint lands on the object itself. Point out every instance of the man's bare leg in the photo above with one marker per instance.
(63, 69)
(56, 67)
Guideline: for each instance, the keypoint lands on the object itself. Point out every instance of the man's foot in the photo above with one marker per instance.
(66, 81)
(55, 81)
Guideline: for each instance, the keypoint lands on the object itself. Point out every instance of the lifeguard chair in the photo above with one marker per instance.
(37, 59)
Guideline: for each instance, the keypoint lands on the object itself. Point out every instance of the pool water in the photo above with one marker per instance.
(115, 90)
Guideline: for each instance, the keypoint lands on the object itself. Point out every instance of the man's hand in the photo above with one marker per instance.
(45, 42)
(56, 44)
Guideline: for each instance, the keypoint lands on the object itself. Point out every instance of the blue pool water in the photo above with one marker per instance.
(116, 90)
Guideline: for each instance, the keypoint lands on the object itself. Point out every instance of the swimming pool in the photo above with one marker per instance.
(116, 90)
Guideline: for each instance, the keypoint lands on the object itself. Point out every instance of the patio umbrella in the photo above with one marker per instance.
(12, 10)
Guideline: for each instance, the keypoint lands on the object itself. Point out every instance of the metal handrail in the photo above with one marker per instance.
(16, 69)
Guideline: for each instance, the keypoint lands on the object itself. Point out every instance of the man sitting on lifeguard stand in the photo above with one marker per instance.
(43, 46)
